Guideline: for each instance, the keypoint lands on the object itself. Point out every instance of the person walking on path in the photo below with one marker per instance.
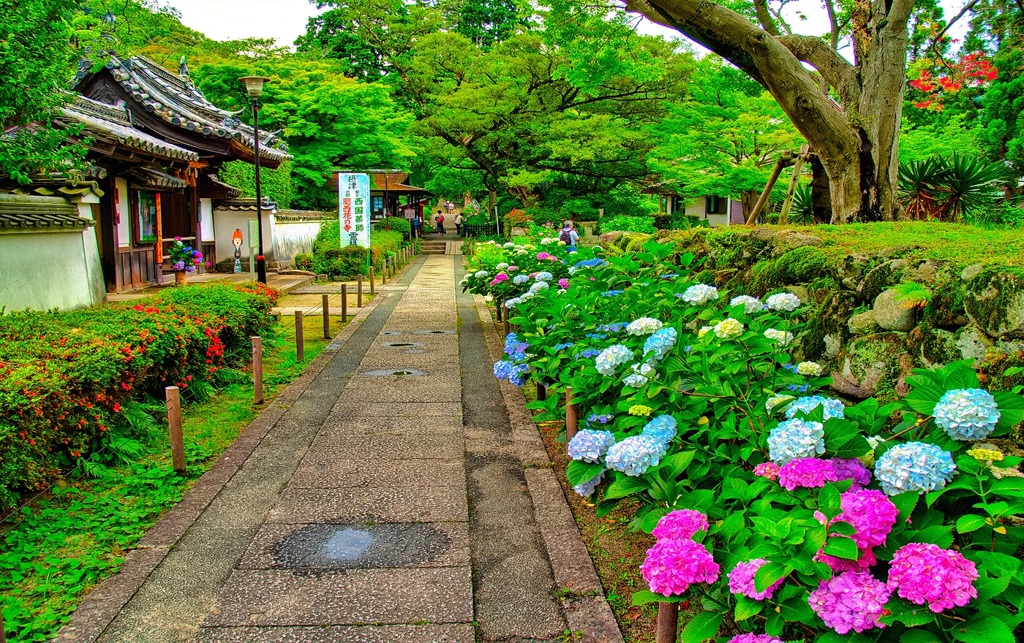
(439, 219)
(417, 223)
(458, 223)
(569, 236)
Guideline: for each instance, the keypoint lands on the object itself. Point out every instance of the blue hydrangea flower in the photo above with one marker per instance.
(588, 353)
(586, 489)
(590, 445)
(700, 294)
(519, 280)
(634, 380)
(538, 286)
(661, 428)
(562, 347)
(514, 373)
(543, 276)
(515, 348)
(512, 303)
(590, 263)
(612, 328)
(670, 275)
(635, 455)
(661, 342)
(967, 414)
(833, 408)
(914, 466)
(597, 335)
(794, 439)
(594, 418)
(612, 293)
(611, 358)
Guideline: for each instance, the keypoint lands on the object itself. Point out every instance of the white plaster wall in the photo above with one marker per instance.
(124, 230)
(224, 224)
(206, 220)
(293, 237)
(697, 209)
(41, 271)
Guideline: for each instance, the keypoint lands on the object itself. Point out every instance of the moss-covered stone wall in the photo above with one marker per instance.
(875, 315)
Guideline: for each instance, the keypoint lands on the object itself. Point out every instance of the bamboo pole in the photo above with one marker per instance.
(791, 191)
(300, 340)
(784, 161)
(173, 397)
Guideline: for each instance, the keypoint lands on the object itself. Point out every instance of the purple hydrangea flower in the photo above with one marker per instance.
(680, 524)
(741, 580)
(851, 469)
(806, 472)
(768, 470)
(850, 601)
(925, 573)
(671, 566)
(755, 638)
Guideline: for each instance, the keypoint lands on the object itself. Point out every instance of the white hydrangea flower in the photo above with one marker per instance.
(501, 266)
(777, 400)
(538, 286)
(704, 330)
(644, 326)
(784, 301)
(508, 244)
(780, 336)
(728, 329)
(809, 369)
(750, 304)
(700, 294)
(480, 274)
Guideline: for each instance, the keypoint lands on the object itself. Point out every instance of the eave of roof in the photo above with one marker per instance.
(106, 122)
(28, 213)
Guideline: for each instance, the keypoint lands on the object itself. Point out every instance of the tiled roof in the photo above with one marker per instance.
(110, 123)
(305, 215)
(156, 179)
(23, 213)
(242, 205)
(177, 101)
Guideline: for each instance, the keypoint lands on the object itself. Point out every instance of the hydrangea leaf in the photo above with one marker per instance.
(702, 627)
(1011, 409)
(578, 472)
(623, 486)
(984, 628)
(769, 574)
(842, 547)
(911, 615)
(969, 522)
(747, 607)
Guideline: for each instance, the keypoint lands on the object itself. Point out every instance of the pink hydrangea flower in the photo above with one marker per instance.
(850, 601)
(806, 472)
(680, 524)
(741, 580)
(768, 470)
(872, 515)
(867, 559)
(498, 278)
(925, 573)
(541, 256)
(563, 283)
(852, 469)
(755, 638)
(671, 566)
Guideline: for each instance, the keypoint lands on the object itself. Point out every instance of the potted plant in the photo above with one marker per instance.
(184, 259)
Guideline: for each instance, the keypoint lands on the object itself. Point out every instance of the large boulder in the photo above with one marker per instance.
(891, 314)
(874, 365)
(994, 300)
(863, 323)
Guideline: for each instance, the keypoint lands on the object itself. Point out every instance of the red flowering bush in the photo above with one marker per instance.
(65, 375)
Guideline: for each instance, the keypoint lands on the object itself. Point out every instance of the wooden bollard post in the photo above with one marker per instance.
(497, 311)
(344, 303)
(257, 370)
(571, 421)
(668, 622)
(371, 280)
(384, 271)
(359, 291)
(174, 424)
(300, 344)
(508, 327)
(542, 392)
(326, 305)
(3, 636)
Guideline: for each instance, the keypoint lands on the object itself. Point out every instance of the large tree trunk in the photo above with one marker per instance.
(748, 199)
(856, 140)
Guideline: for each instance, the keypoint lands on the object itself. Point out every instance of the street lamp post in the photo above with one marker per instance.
(254, 85)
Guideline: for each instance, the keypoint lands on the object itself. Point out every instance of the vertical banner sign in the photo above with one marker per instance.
(354, 209)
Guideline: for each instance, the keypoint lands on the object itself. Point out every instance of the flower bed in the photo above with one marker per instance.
(787, 515)
(65, 375)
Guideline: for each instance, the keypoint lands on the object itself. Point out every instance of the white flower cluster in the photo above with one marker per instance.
(750, 304)
(644, 326)
(809, 369)
(638, 377)
(501, 266)
(611, 358)
(776, 400)
(700, 294)
(784, 301)
(780, 336)
(480, 274)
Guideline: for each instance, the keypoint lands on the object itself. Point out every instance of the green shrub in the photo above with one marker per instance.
(304, 261)
(395, 224)
(64, 376)
(627, 224)
(384, 244)
(341, 262)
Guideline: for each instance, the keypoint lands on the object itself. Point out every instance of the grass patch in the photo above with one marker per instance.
(57, 549)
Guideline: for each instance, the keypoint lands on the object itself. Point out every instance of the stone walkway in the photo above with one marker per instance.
(381, 498)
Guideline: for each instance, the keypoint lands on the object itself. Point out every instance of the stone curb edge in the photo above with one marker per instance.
(586, 611)
(101, 606)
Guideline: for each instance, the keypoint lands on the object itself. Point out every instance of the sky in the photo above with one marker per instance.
(285, 20)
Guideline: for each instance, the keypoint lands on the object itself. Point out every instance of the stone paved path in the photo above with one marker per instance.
(387, 502)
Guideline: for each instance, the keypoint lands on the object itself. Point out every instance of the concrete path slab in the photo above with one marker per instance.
(368, 505)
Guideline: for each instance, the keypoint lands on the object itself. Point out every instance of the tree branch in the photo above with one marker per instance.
(765, 17)
(836, 70)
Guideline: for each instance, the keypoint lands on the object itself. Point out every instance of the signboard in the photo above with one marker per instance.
(354, 209)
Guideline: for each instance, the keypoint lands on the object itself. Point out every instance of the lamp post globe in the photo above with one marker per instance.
(254, 86)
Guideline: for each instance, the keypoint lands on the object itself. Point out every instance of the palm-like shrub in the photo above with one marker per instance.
(951, 188)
